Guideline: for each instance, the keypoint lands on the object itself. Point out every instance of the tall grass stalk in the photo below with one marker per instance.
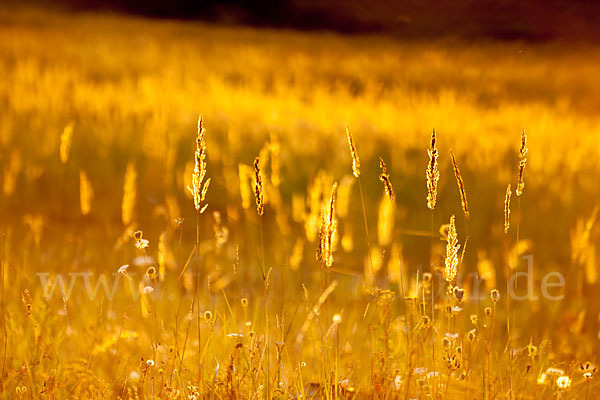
(364, 213)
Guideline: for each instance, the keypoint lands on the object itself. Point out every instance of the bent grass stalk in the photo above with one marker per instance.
(356, 173)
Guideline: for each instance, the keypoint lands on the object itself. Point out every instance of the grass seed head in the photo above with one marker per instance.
(507, 209)
(522, 163)
(198, 189)
(327, 230)
(461, 186)
(385, 178)
(452, 247)
(432, 173)
(258, 187)
(354, 154)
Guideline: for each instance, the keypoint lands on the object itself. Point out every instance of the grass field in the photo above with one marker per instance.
(98, 128)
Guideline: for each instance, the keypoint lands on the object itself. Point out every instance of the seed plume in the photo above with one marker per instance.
(432, 173)
(354, 153)
(522, 163)
(507, 209)
(452, 246)
(385, 178)
(258, 187)
(461, 186)
(198, 189)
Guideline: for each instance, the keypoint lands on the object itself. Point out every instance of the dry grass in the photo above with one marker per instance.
(97, 128)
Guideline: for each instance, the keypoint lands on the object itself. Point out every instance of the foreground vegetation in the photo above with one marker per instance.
(272, 254)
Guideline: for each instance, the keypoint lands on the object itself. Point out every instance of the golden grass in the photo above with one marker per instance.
(97, 116)
(432, 173)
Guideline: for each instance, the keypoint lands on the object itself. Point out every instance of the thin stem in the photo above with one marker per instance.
(197, 294)
(267, 393)
(364, 212)
(509, 324)
(587, 391)
(262, 245)
(432, 297)
(2, 305)
(176, 330)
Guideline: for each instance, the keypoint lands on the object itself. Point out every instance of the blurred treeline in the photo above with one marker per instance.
(536, 20)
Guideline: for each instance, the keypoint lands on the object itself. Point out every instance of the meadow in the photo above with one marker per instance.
(296, 272)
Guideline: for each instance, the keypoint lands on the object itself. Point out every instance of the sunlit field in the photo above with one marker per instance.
(314, 237)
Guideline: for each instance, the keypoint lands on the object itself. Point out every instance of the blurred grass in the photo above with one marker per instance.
(134, 86)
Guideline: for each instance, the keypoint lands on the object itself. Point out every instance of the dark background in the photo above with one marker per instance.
(497, 19)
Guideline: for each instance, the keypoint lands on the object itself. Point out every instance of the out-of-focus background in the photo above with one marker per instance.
(124, 82)
(509, 19)
(131, 78)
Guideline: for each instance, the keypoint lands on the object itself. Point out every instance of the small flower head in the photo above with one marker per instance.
(244, 302)
(452, 361)
(208, 316)
(426, 321)
(427, 277)
(542, 379)
(531, 350)
(588, 370)
(147, 290)
(458, 293)
(151, 272)
(446, 342)
(555, 371)
(563, 382)
(495, 295)
(487, 311)
(472, 335)
(142, 244)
